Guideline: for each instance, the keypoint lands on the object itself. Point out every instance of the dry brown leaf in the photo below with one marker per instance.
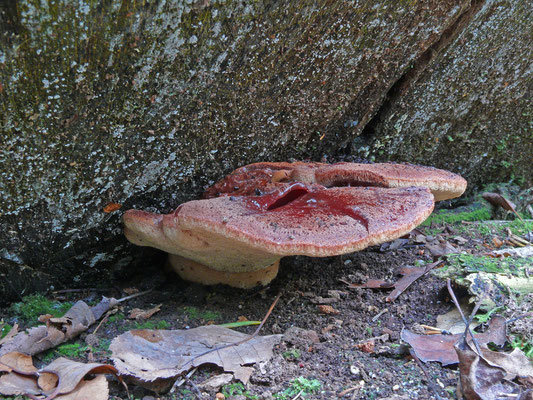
(18, 362)
(484, 378)
(497, 200)
(70, 373)
(441, 347)
(57, 330)
(95, 389)
(14, 384)
(61, 378)
(515, 363)
(150, 355)
(140, 314)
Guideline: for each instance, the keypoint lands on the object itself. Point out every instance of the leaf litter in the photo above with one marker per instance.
(62, 379)
(150, 355)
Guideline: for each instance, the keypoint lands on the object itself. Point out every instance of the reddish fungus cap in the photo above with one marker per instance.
(241, 233)
(265, 177)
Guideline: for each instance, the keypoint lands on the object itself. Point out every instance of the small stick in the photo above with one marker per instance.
(376, 317)
(101, 322)
(298, 395)
(346, 391)
(134, 295)
(81, 290)
(529, 314)
(466, 322)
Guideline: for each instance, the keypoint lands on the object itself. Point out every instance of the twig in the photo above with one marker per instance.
(240, 341)
(180, 382)
(134, 295)
(101, 322)
(298, 395)
(466, 322)
(529, 314)
(193, 385)
(346, 391)
(376, 317)
(81, 290)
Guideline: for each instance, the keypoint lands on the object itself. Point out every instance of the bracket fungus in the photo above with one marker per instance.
(262, 212)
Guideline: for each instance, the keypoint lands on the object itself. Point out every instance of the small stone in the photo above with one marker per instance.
(354, 370)
(396, 388)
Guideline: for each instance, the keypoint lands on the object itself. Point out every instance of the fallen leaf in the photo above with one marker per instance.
(394, 245)
(490, 375)
(452, 322)
(17, 362)
(14, 384)
(94, 389)
(62, 379)
(139, 314)
(69, 374)
(519, 252)
(410, 275)
(109, 208)
(441, 347)
(515, 363)
(366, 346)
(496, 242)
(57, 330)
(497, 200)
(150, 355)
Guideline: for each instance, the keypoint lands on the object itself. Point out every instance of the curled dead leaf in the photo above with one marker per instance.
(440, 347)
(140, 314)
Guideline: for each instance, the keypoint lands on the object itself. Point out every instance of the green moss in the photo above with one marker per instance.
(194, 313)
(152, 325)
(300, 385)
(31, 307)
(4, 329)
(292, 354)
(237, 389)
(450, 217)
(67, 350)
(526, 346)
(116, 317)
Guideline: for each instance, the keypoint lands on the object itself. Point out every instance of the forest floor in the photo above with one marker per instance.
(338, 341)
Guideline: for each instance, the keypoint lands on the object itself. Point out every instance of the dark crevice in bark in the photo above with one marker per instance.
(411, 76)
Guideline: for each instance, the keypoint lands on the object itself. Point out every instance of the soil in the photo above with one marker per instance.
(327, 343)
